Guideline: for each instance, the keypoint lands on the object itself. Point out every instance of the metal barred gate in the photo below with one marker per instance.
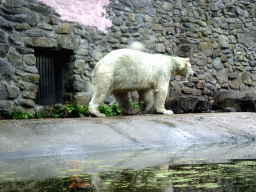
(51, 77)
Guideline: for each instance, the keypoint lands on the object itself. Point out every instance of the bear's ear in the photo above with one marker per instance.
(186, 60)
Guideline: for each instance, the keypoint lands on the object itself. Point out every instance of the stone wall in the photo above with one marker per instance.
(218, 36)
(27, 26)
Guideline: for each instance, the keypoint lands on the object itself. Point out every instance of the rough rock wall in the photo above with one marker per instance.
(218, 36)
(26, 25)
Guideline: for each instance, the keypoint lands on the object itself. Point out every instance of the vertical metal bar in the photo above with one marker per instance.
(47, 79)
(36, 100)
(44, 81)
(38, 61)
(40, 80)
(46, 63)
(53, 83)
(50, 80)
(38, 67)
(42, 85)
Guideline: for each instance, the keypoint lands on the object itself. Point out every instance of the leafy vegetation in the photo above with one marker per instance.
(72, 110)
(38, 115)
(135, 105)
(17, 114)
(111, 111)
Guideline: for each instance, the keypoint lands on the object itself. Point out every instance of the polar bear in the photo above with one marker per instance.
(125, 70)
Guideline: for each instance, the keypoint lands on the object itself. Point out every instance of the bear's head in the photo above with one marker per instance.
(184, 68)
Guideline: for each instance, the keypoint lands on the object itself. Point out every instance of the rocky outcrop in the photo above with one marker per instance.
(188, 104)
(8, 91)
(235, 101)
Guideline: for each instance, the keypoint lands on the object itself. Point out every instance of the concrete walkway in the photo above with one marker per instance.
(39, 149)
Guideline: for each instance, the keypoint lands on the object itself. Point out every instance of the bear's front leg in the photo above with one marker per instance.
(160, 97)
(167, 112)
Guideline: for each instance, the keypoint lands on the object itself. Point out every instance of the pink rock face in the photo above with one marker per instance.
(85, 12)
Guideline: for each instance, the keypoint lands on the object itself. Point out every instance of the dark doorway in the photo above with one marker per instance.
(50, 65)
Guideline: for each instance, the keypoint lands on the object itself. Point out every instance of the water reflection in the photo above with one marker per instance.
(234, 176)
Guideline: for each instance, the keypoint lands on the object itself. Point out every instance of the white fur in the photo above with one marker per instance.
(125, 70)
(136, 46)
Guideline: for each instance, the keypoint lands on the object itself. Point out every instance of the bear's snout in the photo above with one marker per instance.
(192, 74)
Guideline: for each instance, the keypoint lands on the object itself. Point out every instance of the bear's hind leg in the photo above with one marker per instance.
(96, 101)
(147, 98)
(123, 101)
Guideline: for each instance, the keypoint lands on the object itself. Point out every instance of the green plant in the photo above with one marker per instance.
(38, 115)
(201, 117)
(58, 113)
(82, 111)
(135, 105)
(181, 112)
(70, 110)
(110, 111)
(17, 114)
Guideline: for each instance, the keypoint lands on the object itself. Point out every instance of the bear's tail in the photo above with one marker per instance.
(92, 85)
(92, 88)
(135, 45)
